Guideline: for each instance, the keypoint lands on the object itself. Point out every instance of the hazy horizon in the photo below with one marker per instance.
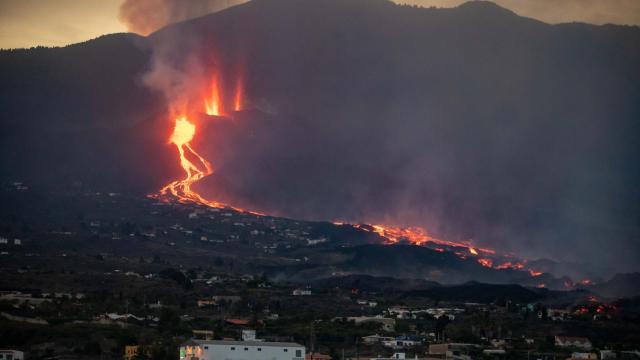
(30, 23)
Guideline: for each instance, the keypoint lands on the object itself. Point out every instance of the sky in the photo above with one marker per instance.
(27, 23)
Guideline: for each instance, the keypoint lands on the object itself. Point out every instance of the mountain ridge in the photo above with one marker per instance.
(519, 138)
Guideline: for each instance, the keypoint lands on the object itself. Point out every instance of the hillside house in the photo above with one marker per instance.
(376, 339)
(573, 342)
(402, 342)
(558, 314)
(301, 292)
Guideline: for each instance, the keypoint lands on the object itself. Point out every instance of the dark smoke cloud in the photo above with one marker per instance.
(146, 16)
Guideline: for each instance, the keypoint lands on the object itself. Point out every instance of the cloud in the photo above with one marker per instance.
(146, 16)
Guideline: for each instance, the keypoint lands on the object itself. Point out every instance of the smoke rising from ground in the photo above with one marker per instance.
(146, 16)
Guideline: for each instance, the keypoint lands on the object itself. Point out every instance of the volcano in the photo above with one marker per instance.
(471, 122)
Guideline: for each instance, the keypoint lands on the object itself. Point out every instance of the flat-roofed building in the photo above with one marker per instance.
(11, 355)
(240, 350)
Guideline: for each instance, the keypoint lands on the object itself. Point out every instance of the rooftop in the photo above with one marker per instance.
(242, 343)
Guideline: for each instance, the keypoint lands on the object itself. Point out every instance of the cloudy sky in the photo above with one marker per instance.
(26, 23)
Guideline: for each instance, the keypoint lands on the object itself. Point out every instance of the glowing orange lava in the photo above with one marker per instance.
(511, 265)
(417, 236)
(195, 168)
(534, 273)
(238, 96)
(213, 104)
(486, 262)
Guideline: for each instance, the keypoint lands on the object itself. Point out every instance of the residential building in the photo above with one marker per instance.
(573, 342)
(240, 350)
(301, 292)
(558, 314)
(11, 355)
(376, 339)
(249, 335)
(402, 342)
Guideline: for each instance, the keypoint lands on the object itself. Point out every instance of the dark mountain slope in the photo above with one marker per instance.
(81, 113)
(473, 122)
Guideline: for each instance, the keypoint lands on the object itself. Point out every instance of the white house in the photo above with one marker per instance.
(240, 350)
(573, 342)
(249, 335)
(376, 339)
(396, 356)
(401, 342)
(11, 355)
(558, 314)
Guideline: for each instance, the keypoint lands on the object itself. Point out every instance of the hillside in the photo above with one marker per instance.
(472, 121)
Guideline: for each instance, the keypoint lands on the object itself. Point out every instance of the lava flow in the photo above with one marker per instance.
(417, 236)
(196, 167)
(195, 170)
(212, 106)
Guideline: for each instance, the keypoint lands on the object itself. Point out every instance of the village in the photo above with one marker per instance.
(165, 281)
(201, 315)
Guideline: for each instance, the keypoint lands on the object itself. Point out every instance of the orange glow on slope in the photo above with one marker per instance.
(415, 235)
(534, 273)
(473, 251)
(510, 265)
(238, 96)
(486, 262)
(213, 104)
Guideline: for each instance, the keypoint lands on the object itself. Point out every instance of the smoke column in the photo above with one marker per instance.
(146, 16)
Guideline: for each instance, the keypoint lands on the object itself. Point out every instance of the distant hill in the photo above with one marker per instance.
(621, 285)
(469, 292)
(374, 284)
(472, 121)
(482, 293)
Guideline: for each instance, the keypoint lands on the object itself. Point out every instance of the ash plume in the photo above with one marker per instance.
(146, 16)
